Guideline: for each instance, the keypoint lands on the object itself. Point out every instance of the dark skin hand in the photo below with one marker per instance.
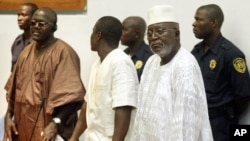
(10, 128)
(122, 120)
(81, 124)
(50, 132)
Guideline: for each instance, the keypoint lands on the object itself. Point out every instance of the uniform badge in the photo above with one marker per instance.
(212, 64)
(138, 64)
(239, 65)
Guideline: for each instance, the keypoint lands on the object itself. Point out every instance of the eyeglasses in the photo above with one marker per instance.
(40, 23)
(159, 32)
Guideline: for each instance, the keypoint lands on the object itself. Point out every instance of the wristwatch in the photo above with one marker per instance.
(56, 120)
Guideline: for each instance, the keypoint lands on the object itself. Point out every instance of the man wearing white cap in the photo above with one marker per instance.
(172, 105)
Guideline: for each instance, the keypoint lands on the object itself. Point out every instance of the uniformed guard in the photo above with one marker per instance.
(224, 70)
(133, 31)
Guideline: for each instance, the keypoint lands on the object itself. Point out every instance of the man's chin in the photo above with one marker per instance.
(35, 38)
(197, 36)
(22, 27)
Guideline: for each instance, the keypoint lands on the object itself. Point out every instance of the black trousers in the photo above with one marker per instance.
(221, 127)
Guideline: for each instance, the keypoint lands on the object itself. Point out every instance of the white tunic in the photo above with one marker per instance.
(113, 83)
(172, 103)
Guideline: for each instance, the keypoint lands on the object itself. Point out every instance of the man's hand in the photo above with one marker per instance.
(9, 128)
(71, 139)
(50, 132)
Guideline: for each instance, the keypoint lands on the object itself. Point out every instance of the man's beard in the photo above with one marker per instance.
(165, 50)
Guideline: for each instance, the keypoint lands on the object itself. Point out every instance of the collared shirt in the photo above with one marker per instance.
(17, 48)
(140, 57)
(113, 83)
(224, 71)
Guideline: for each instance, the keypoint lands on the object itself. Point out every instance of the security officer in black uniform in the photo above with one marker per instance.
(224, 70)
(133, 32)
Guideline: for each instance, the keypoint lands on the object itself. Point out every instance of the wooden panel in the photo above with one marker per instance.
(54, 4)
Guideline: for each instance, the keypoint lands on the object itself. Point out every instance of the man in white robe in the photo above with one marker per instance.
(172, 102)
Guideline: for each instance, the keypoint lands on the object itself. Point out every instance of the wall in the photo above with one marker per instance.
(75, 28)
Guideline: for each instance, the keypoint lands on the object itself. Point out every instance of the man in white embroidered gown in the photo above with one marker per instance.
(172, 103)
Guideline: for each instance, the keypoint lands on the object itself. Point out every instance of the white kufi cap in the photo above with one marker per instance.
(161, 13)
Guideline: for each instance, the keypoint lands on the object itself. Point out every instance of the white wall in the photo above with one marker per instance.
(75, 28)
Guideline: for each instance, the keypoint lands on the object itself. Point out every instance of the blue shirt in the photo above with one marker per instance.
(17, 48)
(140, 57)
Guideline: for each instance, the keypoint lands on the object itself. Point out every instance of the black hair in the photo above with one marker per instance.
(33, 6)
(110, 28)
(214, 12)
(139, 24)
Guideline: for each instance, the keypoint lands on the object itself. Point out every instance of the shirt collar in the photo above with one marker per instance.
(214, 48)
(216, 45)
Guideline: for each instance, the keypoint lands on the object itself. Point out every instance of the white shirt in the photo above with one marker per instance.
(172, 102)
(113, 83)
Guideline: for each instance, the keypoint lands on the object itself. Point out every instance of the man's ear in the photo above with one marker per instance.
(54, 28)
(214, 22)
(99, 35)
(177, 33)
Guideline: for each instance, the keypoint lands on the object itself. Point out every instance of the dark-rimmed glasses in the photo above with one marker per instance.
(158, 32)
(40, 24)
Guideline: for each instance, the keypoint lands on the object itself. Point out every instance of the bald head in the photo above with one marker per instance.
(133, 31)
(48, 13)
(137, 23)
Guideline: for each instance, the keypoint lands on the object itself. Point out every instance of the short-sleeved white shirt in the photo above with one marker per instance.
(113, 83)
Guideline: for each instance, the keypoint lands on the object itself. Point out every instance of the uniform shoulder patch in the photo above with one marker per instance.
(239, 65)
